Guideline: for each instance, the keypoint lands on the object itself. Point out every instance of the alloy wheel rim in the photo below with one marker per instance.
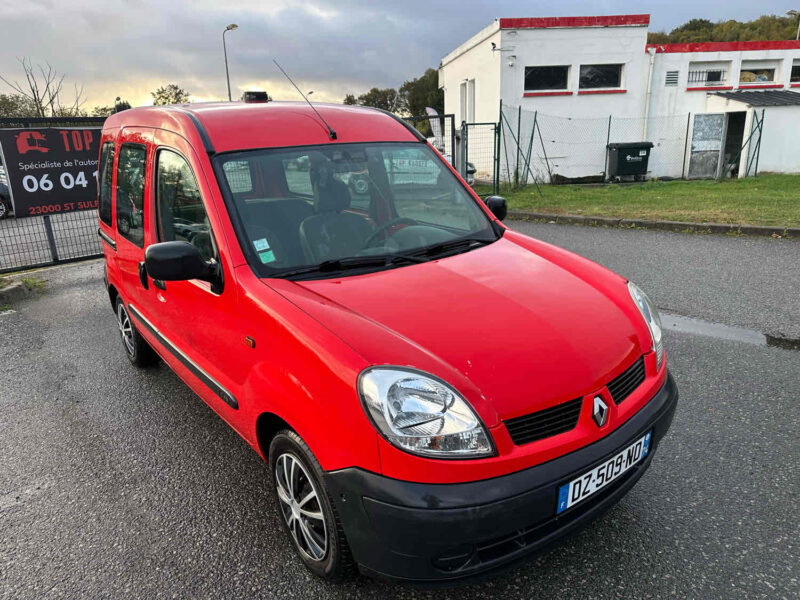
(301, 507)
(125, 328)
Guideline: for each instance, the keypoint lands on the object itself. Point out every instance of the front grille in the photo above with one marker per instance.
(544, 423)
(623, 385)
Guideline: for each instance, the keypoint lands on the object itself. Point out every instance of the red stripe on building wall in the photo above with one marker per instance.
(709, 89)
(726, 46)
(760, 86)
(532, 94)
(601, 21)
(584, 92)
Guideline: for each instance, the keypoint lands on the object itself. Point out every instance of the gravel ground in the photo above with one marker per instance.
(117, 482)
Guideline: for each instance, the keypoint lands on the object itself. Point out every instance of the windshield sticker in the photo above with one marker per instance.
(266, 257)
(261, 244)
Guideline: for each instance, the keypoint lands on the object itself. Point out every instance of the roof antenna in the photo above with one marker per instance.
(331, 132)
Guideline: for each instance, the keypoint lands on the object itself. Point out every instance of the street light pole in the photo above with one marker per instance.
(230, 27)
(794, 13)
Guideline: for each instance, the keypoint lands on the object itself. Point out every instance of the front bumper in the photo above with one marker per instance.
(449, 532)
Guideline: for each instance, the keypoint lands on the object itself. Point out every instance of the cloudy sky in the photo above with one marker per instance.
(128, 48)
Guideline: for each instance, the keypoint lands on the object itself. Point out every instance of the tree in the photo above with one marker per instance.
(350, 99)
(765, 27)
(106, 111)
(43, 87)
(417, 94)
(16, 105)
(170, 94)
(386, 99)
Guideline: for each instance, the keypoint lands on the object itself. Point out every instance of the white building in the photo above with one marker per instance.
(591, 80)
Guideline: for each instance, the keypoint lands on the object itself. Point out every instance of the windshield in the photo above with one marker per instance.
(317, 210)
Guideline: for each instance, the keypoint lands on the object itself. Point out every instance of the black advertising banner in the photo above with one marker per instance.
(51, 170)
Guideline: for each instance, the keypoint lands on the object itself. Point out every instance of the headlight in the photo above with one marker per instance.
(652, 319)
(421, 414)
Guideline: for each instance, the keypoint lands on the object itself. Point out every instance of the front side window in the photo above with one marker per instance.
(600, 76)
(104, 182)
(319, 209)
(795, 77)
(546, 78)
(181, 214)
(130, 192)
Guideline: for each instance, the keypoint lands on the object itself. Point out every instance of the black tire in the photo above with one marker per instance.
(336, 562)
(4, 210)
(136, 348)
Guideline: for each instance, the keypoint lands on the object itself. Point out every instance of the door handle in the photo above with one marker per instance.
(143, 276)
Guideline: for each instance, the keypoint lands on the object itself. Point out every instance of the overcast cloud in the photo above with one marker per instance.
(129, 48)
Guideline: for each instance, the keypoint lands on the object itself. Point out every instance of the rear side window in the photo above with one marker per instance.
(104, 182)
(181, 215)
(130, 192)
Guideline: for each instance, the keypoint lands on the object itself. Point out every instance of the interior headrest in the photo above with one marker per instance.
(331, 196)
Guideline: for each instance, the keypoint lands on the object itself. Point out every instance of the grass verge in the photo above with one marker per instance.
(765, 200)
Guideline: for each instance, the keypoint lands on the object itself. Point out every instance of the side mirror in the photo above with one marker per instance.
(498, 206)
(471, 170)
(180, 261)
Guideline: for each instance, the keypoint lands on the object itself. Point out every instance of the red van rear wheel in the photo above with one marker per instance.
(305, 509)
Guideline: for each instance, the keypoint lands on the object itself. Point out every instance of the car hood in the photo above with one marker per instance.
(516, 326)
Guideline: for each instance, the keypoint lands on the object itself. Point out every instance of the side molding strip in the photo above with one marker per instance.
(209, 381)
(107, 239)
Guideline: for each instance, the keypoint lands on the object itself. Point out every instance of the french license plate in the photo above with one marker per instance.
(593, 481)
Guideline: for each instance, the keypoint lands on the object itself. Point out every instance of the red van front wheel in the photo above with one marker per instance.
(306, 510)
(137, 350)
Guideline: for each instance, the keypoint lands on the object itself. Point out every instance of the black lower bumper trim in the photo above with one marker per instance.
(439, 533)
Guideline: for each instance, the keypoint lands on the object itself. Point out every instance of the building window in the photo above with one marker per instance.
(546, 78)
(600, 76)
(795, 73)
(708, 74)
(756, 75)
(467, 92)
(671, 78)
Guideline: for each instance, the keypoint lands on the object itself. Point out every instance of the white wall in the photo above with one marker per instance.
(780, 141)
(673, 100)
(574, 47)
(577, 123)
(474, 59)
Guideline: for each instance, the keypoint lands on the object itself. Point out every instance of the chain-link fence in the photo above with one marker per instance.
(555, 149)
(479, 144)
(49, 239)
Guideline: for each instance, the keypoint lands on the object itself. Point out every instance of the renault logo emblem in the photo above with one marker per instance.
(599, 411)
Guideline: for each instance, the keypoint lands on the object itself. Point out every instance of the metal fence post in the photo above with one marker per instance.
(499, 143)
(686, 145)
(519, 141)
(51, 240)
(608, 141)
(758, 147)
(464, 149)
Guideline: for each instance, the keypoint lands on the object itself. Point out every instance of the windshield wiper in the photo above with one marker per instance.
(467, 243)
(354, 262)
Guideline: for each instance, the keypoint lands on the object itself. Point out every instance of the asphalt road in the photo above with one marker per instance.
(116, 482)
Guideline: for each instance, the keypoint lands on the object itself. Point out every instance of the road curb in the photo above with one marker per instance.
(680, 226)
(13, 292)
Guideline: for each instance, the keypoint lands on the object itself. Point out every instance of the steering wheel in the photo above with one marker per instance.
(388, 225)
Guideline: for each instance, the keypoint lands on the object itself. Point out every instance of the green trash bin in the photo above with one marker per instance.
(628, 158)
